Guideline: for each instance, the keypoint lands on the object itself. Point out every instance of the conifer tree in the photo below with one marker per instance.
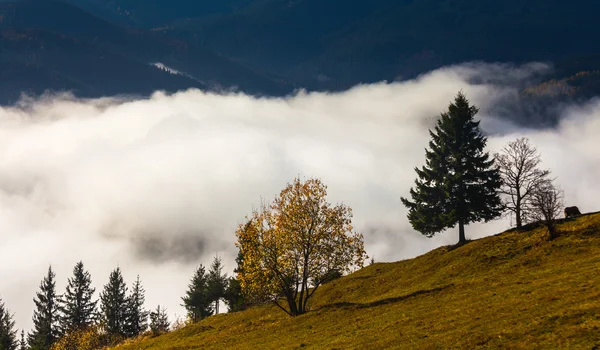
(46, 317)
(217, 283)
(197, 301)
(234, 298)
(137, 316)
(233, 295)
(460, 182)
(159, 322)
(77, 306)
(8, 333)
(113, 304)
(22, 343)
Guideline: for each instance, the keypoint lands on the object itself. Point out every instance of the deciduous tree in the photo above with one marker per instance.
(291, 246)
(90, 338)
(521, 176)
(547, 202)
(459, 183)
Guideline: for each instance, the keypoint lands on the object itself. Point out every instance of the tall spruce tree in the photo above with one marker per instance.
(460, 182)
(197, 301)
(217, 283)
(8, 333)
(46, 326)
(113, 303)
(137, 316)
(77, 306)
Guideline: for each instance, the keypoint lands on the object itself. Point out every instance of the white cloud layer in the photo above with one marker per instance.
(157, 186)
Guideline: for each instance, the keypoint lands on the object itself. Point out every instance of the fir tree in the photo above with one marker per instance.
(8, 333)
(217, 283)
(197, 301)
(159, 322)
(113, 303)
(234, 298)
(23, 343)
(46, 327)
(233, 295)
(459, 183)
(77, 306)
(137, 316)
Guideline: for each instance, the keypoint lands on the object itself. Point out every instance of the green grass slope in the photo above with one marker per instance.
(512, 290)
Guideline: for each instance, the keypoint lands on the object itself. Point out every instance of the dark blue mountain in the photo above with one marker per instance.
(273, 46)
(337, 43)
(52, 45)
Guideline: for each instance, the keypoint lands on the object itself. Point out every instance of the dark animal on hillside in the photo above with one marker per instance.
(571, 212)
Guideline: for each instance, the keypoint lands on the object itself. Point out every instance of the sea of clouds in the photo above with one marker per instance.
(157, 186)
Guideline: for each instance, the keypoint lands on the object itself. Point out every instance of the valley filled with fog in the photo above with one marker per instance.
(158, 186)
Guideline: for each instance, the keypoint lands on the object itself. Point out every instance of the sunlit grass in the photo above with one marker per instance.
(512, 290)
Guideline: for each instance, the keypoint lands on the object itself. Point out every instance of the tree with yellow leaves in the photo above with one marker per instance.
(293, 245)
(89, 338)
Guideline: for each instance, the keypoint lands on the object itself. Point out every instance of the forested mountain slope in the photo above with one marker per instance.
(335, 43)
(51, 45)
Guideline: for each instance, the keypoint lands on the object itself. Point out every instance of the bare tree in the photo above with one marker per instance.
(547, 202)
(519, 167)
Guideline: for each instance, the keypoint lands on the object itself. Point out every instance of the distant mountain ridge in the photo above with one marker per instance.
(272, 47)
(52, 45)
(334, 44)
(155, 13)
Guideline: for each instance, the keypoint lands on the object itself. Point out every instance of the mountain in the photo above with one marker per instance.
(271, 47)
(576, 78)
(154, 13)
(336, 44)
(514, 290)
(52, 45)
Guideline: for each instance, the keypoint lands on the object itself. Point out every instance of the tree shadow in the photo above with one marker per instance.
(349, 305)
(458, 245)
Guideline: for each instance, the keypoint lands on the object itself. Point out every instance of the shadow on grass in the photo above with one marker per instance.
(348, 305)
(458, 245)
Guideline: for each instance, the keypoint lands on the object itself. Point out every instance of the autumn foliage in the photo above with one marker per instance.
(90, 338)
(293, 245)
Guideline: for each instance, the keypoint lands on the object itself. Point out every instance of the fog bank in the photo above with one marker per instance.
(158, 186)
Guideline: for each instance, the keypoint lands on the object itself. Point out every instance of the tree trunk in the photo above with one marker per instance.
(461, 233)
(551, 230)
(518, 208)
(292, 304)
(518, 215)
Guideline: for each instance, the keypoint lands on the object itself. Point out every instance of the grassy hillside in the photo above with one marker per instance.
(512, 290)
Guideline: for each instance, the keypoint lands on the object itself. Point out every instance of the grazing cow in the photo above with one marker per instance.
(571, 212)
